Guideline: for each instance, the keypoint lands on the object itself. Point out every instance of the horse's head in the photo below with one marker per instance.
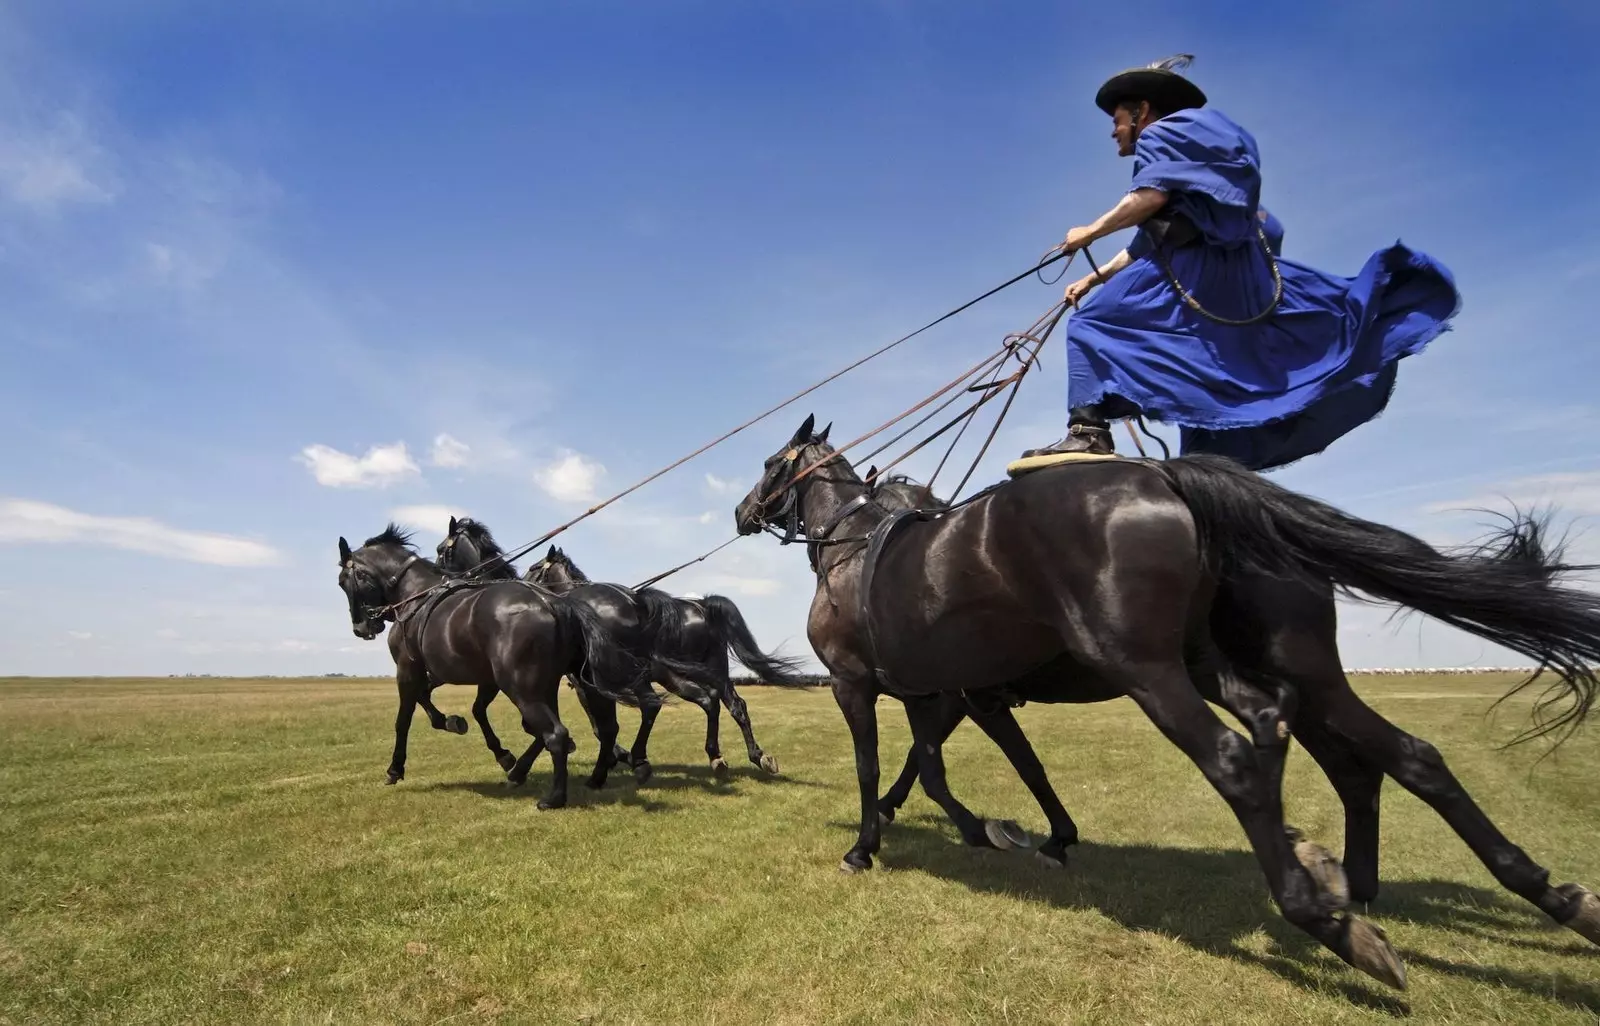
(466, 545)
(776, 497)
(370, 576)
(556, 570)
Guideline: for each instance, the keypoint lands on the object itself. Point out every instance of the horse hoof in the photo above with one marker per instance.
(851, 868)
(546, 804)
(719, 768)
(394, 778)
(506, 761)
(622, 754)
(1049, 861)
(642, 772)
(515, 781)
(593, 784)
(1370, 952)
(1586, 921)
(455, 724)
(884, 819)
(1006, 834)
(770, 764)
(1333, 887)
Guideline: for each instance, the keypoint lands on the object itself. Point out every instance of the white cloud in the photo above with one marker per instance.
(383, 465)
(79, 635)
(44, 170)
(723, 486)
(24, 520)
(168, 634)
(570, 479)
(449, 452)
(433, 519)
(709, 516)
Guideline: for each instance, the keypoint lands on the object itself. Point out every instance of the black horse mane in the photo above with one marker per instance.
(391, 535)
(572, 568)
(488, 548)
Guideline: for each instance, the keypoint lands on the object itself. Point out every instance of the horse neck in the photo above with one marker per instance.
(417, 578)
(821, 499)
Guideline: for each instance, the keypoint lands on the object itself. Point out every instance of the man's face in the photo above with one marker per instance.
(1124, 127)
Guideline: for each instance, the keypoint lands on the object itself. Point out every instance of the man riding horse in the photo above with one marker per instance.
(1202, 324)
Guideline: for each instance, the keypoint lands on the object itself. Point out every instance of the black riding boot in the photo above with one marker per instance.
(1088, 431)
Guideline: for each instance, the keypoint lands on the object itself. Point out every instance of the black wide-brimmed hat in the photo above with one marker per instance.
(1158, 83)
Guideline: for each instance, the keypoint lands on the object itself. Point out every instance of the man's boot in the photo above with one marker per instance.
(1088, 431)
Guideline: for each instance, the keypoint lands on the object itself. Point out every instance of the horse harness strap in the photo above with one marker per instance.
(877, 541)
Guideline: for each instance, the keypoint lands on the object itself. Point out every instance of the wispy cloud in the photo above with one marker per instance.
(380, 467)
(432, 519)
(54, 166)
(1577, 492)
(24, 520)
(570, 479)
(723, 486)
(449, 452)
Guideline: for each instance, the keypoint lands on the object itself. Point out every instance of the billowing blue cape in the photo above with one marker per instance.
(1265, 394)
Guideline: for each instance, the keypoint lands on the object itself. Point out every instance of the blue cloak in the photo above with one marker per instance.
(1269, 393)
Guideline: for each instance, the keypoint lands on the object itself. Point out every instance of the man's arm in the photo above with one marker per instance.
(1080, 288)
(1135, 208)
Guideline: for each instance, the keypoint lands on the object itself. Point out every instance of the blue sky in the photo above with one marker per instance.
(277, 274)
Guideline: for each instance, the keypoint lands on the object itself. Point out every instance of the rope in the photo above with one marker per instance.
(685, 565)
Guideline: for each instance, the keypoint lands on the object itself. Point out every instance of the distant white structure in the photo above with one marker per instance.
(1413, 670)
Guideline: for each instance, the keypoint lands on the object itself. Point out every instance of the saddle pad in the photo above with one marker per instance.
(1016, 468)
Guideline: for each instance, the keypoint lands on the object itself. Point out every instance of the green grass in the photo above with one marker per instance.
(225, 851)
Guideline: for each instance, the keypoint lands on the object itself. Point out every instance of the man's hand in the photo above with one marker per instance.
(1076, 239)
(1080, 288)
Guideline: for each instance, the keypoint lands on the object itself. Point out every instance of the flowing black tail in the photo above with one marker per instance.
(1507, 591)
(607, 667)
(728, 627)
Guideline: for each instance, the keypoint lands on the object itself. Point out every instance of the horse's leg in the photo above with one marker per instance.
(1229, 762)
(996, 720)
(639, 757)
(1418, 767)
(741, 713)
(402, 723)
(926, 715)
(1267, 711)
(858, 702)
(602, 713)
(480, 713)
(517, 775)
(438, 720)
(952, 710)
(537, 703)
(1358, 785)
(693, 691)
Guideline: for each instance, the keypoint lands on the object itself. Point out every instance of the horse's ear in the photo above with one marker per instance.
(344, 551)
(823, 437)
(552, 553)
(872, 472)
(452, 525)
(803, 436)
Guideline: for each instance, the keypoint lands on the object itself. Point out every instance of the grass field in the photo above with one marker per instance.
(225, 851)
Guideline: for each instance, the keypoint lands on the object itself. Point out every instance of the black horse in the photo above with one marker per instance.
(505, 636)
(685, 643)
(1105, 579)
(699, 632)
